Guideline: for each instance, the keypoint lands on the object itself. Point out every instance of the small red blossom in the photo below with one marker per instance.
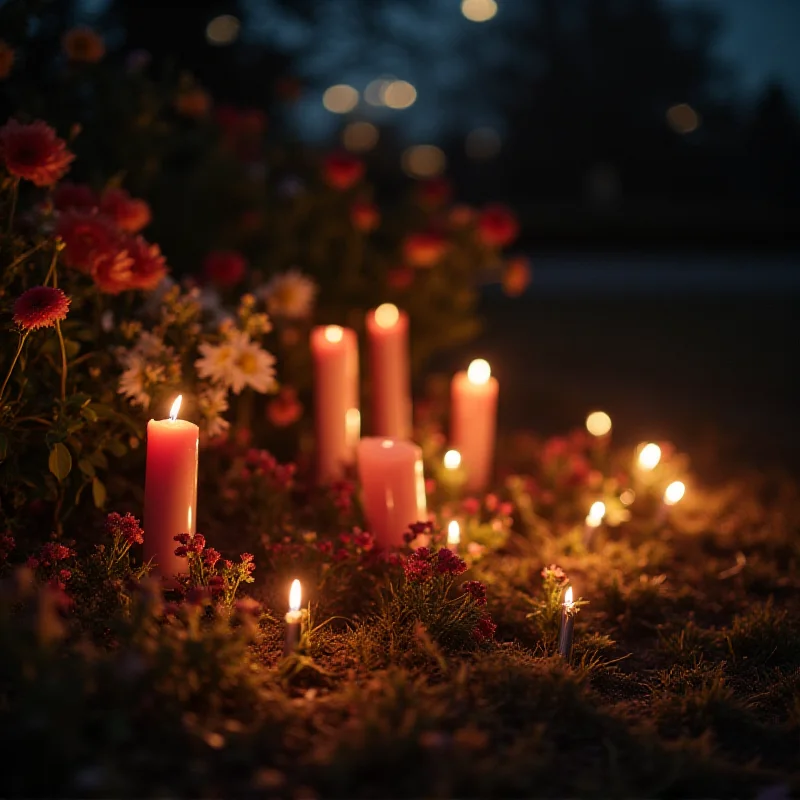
(471, 505)
(40, 307)
(128, 213)
(476, 590)
(216, 584)
(555, 572)
(484, 630)
(418, 567)
(52, 552)
(224, 268)
(183, 538)
(448, 563)
(424, 250)
(197, 543)
(364, 216)
(182, 551)
(211, 556)
(342, 171)
(7, 544)
(285, 409)
(87, 238)
(497, 226)
(127, 528)
(74, 197)
(34, 152)
(32, 562)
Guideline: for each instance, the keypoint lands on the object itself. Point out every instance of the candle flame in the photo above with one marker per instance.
(334, 333)
(598, 423)
(568, 601)
(176, 407)
(593, 522)
(479, 371)
(598, 510)
(674, 493)
(453, 532)
(386, 315)
(452, 459)
(295, 595)
(649, 456)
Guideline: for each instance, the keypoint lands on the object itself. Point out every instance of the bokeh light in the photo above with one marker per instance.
(453, 533)
(334, 333)
(479, 371)
(340, 99)
(627, 497)
(399, 94)
(478, 10)
(358, 137)
(223, 30)
(598, 510)
(482, 144)
(649, 456)
(682, 118)
(386, 315)
(424, 161)
(452, 459)
(674, 493)
(374, 93)
(598, 423)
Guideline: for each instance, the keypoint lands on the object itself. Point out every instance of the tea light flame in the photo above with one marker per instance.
(598, 423)
(452, 459)
(453, 532)
(386, 315)
(568, 601)
(479, 371)
(295, 595)
(176, 407)
(334, 333)
(649, 456)
(674, 493)
(598, 510)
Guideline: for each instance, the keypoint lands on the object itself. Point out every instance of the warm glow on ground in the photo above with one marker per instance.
(479, 371)
(598, 423)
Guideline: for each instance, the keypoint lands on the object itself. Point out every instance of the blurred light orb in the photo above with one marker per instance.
(399, 94)
(482, 143)
(358, 137)
(682, 118)
(374, 93)
(478, 10)
(334, 333)
(387, 315)
(674, 493)
(598, 423)
(593, 522)
(479, 371)
(453, 533)
(627, 497)
(452, 459)
(598, 510)
(424, 161)
(649, 456)
(340, 99)
(223, 30)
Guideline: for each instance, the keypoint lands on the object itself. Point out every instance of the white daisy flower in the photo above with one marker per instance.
(213, 403)
(236, 363)
(289, 294)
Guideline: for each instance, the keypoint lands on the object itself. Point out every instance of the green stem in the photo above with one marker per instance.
(19, 259)
(14, 193)
(63, 362)
(52, 270)
(22, 339)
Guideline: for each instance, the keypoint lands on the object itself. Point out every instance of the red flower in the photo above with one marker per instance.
(74, 196)
(40, 307)
(182, 551)
(285, 409)
(435, 191)
(87, 237)
(516, 277)
(341, 171)
(225, 268)
(34, 152)
(126, 528)
(211, 556)
(497, 226)
(129, 213)
(399, 278)
(448, 563)
(418, 567)
(149, 266)
(476, 590)
(112, 271)
(424, 249)
(364, 216)
(484, 630)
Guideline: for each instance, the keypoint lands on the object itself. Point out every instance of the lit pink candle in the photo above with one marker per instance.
(336, 408)
(393, 487)
(170, 490)
(473, 422)
(390, 371)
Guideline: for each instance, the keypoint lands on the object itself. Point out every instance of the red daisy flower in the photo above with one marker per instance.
(34, 152)
(224, 268)
(149, 266)
(88, 238)
(129, 213)
(341, 171)
(40, 307)
(112, 271)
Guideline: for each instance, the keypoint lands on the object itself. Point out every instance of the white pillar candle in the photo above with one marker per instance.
(393, 487)
(390, 371)
(336, 408)
(473, 421)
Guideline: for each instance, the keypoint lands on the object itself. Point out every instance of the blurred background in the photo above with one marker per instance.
(651, 149)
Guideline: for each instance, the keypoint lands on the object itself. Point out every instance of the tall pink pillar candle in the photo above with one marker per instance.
(170, 491)
(392, 486)
(390, 371)
(336, 408)
(473, 421)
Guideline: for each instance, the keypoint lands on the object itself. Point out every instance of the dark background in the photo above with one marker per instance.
(650, 147)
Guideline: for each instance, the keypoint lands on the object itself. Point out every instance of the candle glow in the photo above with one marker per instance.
(598, 510)
(295, 595)
(453, 533)
(568, 601)
(452, 459)
(598, 423)
(649, 456)
(479, 372)
(674, 493)
(387, 315)
(334, 333)
(176, 407)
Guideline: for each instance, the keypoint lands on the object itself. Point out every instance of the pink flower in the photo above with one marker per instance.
(211, 556)
(74, 197)
(197, 543)
(484, 630)
(497, 226)
(448, 563)
(476, 590)
(126, 528)
(224, 268)
(40, 307)
(555, 572)
(53, 552)
(112, 271)
(129, 213)
(34, 152)
(342, 171)
(182, 551)
(418, 567)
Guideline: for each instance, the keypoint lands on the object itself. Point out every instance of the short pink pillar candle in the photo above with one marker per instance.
(393, 487)
(390, 371)
(336, 408)
(473, 421)
(170, 491)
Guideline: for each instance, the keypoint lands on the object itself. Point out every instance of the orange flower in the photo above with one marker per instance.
(497, 226)
(129, 213)
(74, 197)
(40, 307)
(149, 266)
(6, 60)
(517, 276)
(34, 152)
(194, 103)
(364, 216)
(224, 267)
(341, 171)
(285, 409)
(88, 237)
(112, 271)
(82, 45)
(424, 249)
(434, 192)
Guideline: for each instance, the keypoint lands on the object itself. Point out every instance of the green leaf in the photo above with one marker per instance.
(86, 467)
(117, 448)
(89, 414)
(3, 446)
(60, 461)
(98, 492)
(102, 410)
(99, 459)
